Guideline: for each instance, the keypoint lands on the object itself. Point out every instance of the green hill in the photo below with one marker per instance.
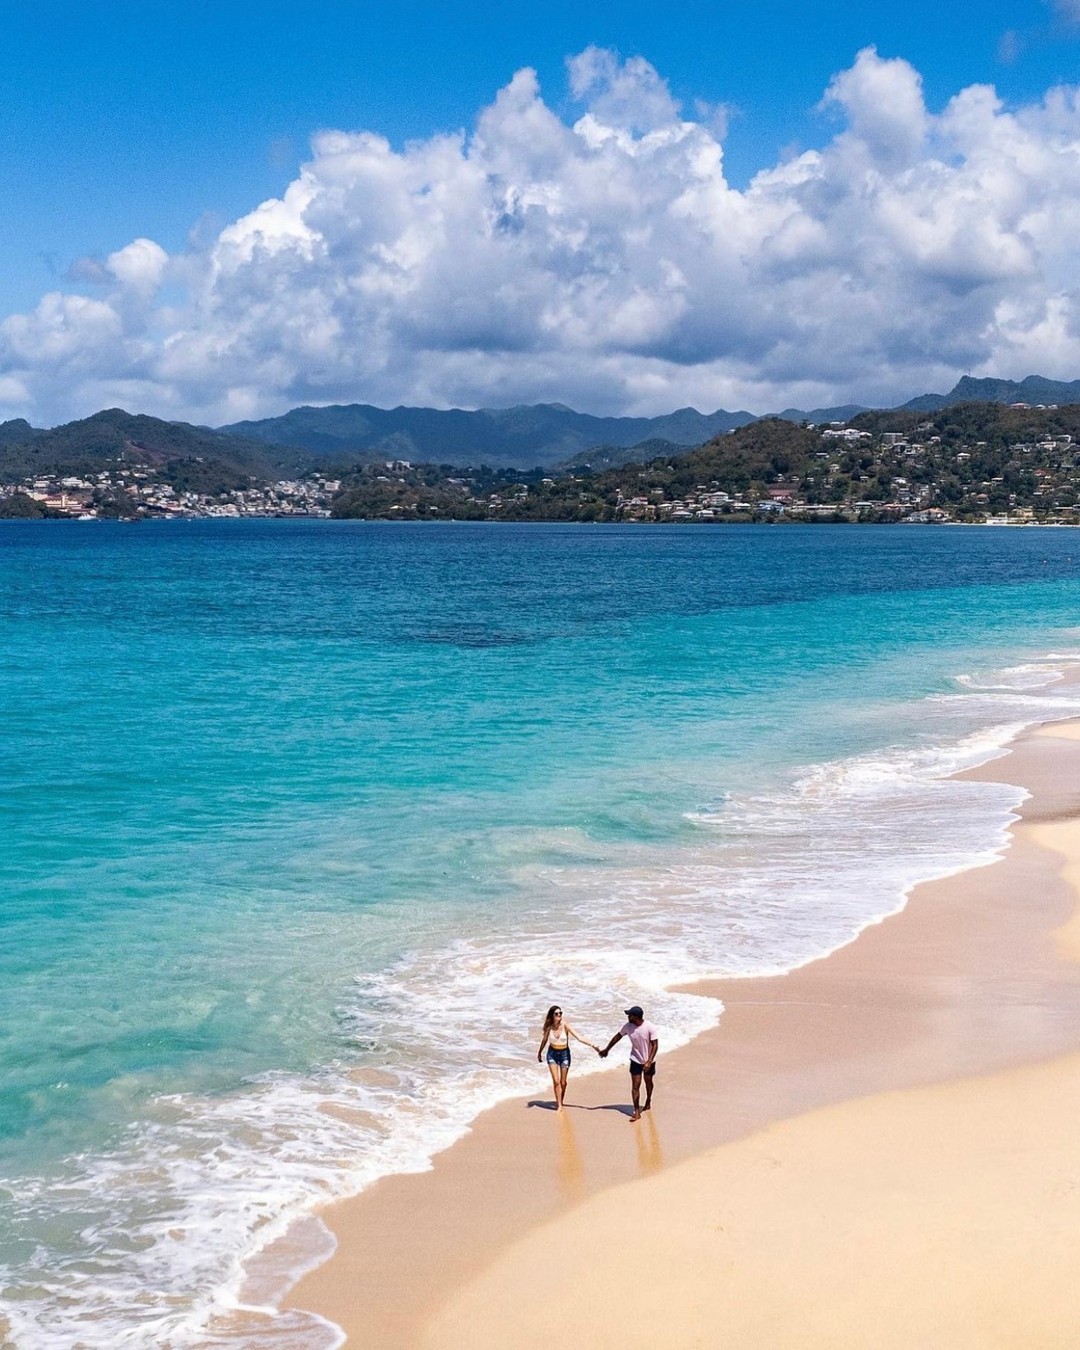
(172, 451)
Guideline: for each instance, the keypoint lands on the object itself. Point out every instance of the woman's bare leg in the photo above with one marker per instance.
(557, 1084)
(565, 1074)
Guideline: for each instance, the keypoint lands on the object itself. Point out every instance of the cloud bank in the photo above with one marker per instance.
(607, 264)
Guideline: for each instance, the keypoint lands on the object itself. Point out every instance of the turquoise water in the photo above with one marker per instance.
(280, 797)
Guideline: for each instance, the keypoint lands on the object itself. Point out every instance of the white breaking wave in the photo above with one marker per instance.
(1049, 670)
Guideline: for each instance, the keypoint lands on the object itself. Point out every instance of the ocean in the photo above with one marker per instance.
(290, 808)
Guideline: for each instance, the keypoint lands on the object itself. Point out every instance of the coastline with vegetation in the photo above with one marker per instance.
(972, 463)
(969, 463)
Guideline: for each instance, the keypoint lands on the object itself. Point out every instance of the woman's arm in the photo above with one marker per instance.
(543, 1042)
(571, 1032)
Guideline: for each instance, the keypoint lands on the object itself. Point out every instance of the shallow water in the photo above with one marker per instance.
(288, 806)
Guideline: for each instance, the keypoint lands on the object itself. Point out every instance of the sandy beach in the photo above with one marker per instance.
(874, 1150)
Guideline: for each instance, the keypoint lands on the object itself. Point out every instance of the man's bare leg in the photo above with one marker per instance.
(635, 1092)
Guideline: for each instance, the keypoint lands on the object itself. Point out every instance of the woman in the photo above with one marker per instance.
(556, 1037)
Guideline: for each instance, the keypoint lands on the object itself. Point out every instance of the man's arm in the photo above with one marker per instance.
(617, 1037)
(654, 1046)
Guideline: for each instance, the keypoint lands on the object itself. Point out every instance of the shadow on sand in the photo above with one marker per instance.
(622, 1108)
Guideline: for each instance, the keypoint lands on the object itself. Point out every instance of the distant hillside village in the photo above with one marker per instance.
(125, 494)
(980, 463)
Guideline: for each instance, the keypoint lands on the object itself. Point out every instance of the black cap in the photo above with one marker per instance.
(635, 1011)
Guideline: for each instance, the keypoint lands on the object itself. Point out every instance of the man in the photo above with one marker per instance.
(643, 1047)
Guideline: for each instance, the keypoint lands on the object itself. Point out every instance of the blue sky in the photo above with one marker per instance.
(167, 123)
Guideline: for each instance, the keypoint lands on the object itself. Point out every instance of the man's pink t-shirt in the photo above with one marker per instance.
(640, 1037)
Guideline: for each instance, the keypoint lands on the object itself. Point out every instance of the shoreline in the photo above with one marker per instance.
(495, 520)
(915, 999)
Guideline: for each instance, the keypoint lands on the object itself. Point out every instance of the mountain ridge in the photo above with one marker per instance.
(550, 434)
(525, 436)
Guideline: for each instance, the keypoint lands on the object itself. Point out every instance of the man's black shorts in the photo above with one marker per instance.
(636, 1069)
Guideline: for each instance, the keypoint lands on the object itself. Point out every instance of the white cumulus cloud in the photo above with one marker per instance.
(140, 266)
(606, 263)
